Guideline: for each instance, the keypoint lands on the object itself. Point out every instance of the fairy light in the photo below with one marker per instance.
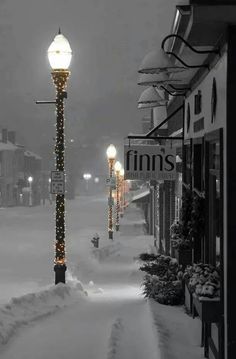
(117, 168)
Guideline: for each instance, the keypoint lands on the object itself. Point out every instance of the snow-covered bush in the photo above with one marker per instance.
(163, 279)
(164, 292)
(203, 280)
(147, 256)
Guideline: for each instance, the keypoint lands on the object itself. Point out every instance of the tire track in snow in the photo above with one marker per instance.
(115, 338)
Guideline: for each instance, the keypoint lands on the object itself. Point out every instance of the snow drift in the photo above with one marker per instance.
(27, 308)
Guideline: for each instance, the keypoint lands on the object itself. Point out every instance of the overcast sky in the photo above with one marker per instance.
(108, 38)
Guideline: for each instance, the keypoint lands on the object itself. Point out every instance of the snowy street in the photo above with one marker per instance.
(111, 321)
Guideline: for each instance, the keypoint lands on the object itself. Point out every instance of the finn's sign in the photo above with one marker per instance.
(146, 162)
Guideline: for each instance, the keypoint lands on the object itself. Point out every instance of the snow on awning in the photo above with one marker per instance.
(7, 146)
(28, 153)
(141, 196)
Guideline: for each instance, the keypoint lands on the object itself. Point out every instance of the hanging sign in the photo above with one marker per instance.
(111, 182)
(57, 182)
(111, 201)
(149, 162)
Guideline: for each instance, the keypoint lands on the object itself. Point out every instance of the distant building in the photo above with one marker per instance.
(16, 165)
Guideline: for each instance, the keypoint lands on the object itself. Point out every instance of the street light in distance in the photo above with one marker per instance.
(87, 177)
(30, 180)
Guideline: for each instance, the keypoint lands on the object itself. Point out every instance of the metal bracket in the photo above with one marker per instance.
(45, 102)
(215, 51)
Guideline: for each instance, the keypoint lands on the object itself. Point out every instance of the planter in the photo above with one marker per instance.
(183, 256)
(209, 310)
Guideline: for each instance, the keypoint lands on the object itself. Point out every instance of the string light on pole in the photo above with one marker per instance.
(117, 173)
(59, 55)
(111, 156)
(122, 173)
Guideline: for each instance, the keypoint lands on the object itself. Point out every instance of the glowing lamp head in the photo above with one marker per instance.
(111, 152)
(117, 166)
(59, 53)
(87, 176)
(122, 172)
(30, 179)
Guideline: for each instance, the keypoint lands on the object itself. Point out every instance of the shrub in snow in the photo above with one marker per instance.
(163, 281)
(164, 292)
(147, 256)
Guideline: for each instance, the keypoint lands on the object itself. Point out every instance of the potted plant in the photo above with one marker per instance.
(203, 281)
(181, 246)
(197, 228)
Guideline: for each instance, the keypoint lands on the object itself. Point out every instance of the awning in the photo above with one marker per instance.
(141, 197)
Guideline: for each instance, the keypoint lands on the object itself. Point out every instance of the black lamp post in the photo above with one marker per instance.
(117, 172)
(59, 55)
(111, 156)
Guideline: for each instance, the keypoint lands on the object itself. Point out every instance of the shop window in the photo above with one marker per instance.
(187, 164)
(197, 166)
(215, 198)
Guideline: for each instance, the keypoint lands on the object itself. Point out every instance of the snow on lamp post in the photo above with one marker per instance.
(59, 56)
(117, 172)
(30, 180)
(111, 156)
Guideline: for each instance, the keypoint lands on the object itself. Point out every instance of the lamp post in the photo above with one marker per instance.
(122, 172)
(87, 177)
(111, 155)
(59, 55)
(117, 172)
(49, 191)
(30, 180)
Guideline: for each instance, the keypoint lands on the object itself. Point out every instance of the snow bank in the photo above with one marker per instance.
(110, 250)
(179, 334)
(27, 308)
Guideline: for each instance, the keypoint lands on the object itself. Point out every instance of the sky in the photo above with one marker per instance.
(109, 40)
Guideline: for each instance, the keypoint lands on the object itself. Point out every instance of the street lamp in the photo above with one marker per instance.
(87, 177)
(122, 207)
(49, 191)
(59, 55)
(111, 156)
(117, 172)
(30, 180)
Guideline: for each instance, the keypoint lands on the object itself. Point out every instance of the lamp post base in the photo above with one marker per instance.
(117, 227)
(60, 273)
(110, 233)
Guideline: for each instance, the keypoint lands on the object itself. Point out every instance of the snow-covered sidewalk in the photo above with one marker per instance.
(105, 315)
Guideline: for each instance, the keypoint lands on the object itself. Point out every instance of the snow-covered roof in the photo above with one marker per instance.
(7, 146)
(28, 153)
